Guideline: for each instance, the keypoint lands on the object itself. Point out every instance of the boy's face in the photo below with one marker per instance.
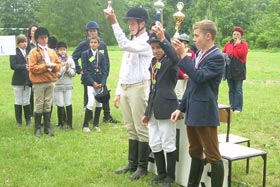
(62, 51)
(92, 32)
(157, 50)
(43, 40)
(201, 40)
(22, 45)
(94, 44)
(134, 27)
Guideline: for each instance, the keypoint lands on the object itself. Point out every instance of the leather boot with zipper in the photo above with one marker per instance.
(47, 124)
(27, 114)
(69, 116)
(132, 158)
(18, 114)
(143, 157)
(38, 117)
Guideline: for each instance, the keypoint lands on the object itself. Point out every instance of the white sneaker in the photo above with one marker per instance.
(86, 129)
(97, 129)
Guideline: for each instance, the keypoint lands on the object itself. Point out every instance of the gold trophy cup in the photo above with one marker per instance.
(179, 18)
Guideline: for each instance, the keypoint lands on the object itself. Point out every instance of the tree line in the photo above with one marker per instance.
(66, 19)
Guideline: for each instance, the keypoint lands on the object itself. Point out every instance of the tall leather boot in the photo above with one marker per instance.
(59, 117)
(171, 166)
(196, 171)
(27, 114)
(47, 123)
(38, 117)
(64, 116)
(161, 168)
(217, 174)
(96, 117)
(18, 114)
(132, 158)
(69, 114)
(107, 115)
(87, 118)
(143, 157)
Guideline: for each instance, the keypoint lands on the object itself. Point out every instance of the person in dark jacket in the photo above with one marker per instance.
(161, 103)
(236, 54)
(20, 81)
(200, 103)
(95, 72)
(92, 29)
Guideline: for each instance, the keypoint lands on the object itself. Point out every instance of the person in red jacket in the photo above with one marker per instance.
(236, 53)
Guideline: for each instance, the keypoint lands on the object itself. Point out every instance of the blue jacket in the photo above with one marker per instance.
(200, 99)
(95, 69)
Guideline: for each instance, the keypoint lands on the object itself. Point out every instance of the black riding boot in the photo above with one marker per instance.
(196, 171)
(132, 158)
(87, 118)
(27, 114)
(69, 114)
(171, 166)
(47, 124)
(217, 174)
(143, 157)
(96, 116)
(38, 117)
(107, 115)
(60, 116)
(161, 168)
(18, 114)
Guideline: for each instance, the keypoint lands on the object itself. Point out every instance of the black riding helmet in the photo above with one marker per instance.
(40, 32)
(139, 14)
(153, 37)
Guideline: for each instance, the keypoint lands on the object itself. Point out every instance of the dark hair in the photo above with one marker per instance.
(61, 44)
(29, 30)
(94, 38)
(237, 29)
(52, 42)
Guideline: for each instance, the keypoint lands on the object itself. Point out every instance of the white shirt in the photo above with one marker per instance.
(46, 55)
(136, 59)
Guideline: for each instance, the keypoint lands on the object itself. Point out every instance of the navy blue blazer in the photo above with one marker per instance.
(200, 98)
(162, 98)
(18, 64)
(94, 71)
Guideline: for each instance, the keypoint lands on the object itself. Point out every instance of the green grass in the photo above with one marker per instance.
(72, 159)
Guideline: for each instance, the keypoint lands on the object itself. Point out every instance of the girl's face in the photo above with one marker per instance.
(61, 51)
(236, 35)
(22, 45)
(92, 32)
(33, 29)
(157, 50)
(94, 44)
(134, 26)
(43, 40)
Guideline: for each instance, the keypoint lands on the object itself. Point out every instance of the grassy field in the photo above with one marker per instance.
(73, 158)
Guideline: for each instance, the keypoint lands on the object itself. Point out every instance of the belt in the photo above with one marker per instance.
(135, 84)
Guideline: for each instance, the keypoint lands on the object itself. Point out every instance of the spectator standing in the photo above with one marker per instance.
(64, 86)
(200, 102)
(133, 86)
(236, 55)
(20, 81)
(92, 29)
(43, 67)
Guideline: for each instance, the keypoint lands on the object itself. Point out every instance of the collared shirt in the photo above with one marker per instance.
(136, 59)
(46, 55)
(23, 51)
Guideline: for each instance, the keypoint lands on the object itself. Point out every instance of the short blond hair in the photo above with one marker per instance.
(206, 26)
(21, 38)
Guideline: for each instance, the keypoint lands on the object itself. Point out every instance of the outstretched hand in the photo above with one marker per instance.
(111, 16)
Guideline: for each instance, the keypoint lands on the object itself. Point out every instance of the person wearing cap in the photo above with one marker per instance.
(133, 86)
(20, 81)
(92, 29)
(64, 86)
(200, 103)
(95, 72)
(162, 102)
(182, 76)
(44, 64)
(236, 55)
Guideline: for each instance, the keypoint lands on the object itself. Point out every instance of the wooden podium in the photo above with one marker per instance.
(184, 161)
